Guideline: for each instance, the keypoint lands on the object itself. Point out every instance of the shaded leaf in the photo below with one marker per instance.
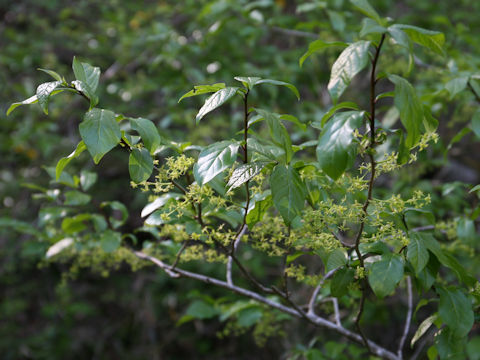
(385, 274)
(350, 62)
(63, 162)
(317, 46)
(259, 204)
(432, 40)
(87, 91)
(366, 9)
(422, 328)
(341, 281)
(214, 159)
(417, 253)
(455, 309)
(336, 150)
(140, 165)
(148, 132)
(110, 241)
(100, 132)
(87, 73)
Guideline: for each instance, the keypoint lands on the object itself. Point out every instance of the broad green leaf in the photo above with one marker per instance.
(455, 309)
(110, 241)
(432, 40)
(429, 122)
(43, 93)
(249, 317)
(336, 259)
(87, 179)
(294, 120)
(278, 133)
(366, 9)
(265, 152)
(475, 188)
(53, 74)
(203, 89)
(336, 150)
(333, 110)
(87, 73)
(76, 198)
(291, 87)
(259, 204)
(288, 192)
(422, 328)
(385, 274)
(83, 88)
(100, 132)
(63, 162)
(456, 85)
(400, 37)
(476, 123)
(215, 100)
(75, 224)
(140, 165)
(447, 260)
(449, 346)
(244, 173)
(350, 62)
(417, 253)
(148, 132)
(317, 46)
(31, 100)
(410, 108)
(215, 159)
(341, 280)
(27, 227)
(58, 247)
(370, 26)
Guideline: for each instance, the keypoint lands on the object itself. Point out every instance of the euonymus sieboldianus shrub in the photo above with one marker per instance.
(311, 208)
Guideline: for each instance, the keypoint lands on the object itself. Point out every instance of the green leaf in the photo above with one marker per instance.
(447, 260)
(350, 62)
(410, 108)
(214, 159)
(31, 100)
(215, 100)
(336, 259)
(432, 40)
(83, 88)
(417, 253)
(317, 46)
(278, 133)
(199, 309)
(244, 173)
(53, 74)
(110, 241)
(370, 26)
(203, 89)
(43, 93)
(265, 152)
(148, 132)
(248, 81)
(76, 198)
(476, 123)
(288, 192)
(456, 85)
(259, 204)
(333, 110)
(341, 280)
(475, 188)
(63, 162)
(140, 165)
(87, 73)
(366, 9)
(386, 274)
(87, 179)
(455, 309)
(100, 132)
(429, 122)
(158, 203)
(291, 87)
(450, 346)
(336, 150)
(249, 317)
(422, 328)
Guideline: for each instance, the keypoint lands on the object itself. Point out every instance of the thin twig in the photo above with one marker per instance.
(312, 318)
(408, 318)
(336, 311)
(311, 303)
(230, 258)
(179, 254)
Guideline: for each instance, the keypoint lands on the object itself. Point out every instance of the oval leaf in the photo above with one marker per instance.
(244, 173)
(148, 132)
(140, 165)
(350, 62)
(417, 253)
(214, 159)
(43, 93)
(455, 309)
(100, 132)
(386, 274)
(216, 100)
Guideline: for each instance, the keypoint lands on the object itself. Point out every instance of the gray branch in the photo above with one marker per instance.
(314, 319)
(408, 318)
(230, 258)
